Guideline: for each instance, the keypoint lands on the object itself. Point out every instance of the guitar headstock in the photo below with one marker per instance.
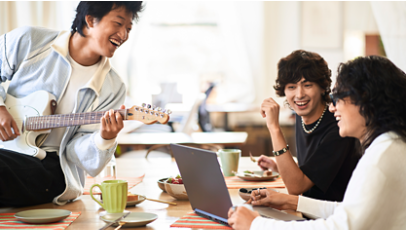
(148, 114)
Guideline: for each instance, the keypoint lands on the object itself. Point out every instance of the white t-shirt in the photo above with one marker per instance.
(79, 77)
(375, 197)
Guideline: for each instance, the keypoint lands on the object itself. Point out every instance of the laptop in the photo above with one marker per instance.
(206, 187)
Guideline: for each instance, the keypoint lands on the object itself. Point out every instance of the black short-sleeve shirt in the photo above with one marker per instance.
(327, 159)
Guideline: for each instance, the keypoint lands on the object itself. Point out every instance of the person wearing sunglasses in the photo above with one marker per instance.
(325, 160)
(369, 102)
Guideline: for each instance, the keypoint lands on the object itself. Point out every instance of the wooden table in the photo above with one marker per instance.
(154, 169)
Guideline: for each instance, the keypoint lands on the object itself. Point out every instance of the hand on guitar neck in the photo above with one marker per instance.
(8, 127)
(111, 124)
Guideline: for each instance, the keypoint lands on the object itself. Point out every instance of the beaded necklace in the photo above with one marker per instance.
(317, 124)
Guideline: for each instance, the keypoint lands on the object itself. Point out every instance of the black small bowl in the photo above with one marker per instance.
(245, 193)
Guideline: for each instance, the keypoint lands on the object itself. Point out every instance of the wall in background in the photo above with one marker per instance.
(283, 33)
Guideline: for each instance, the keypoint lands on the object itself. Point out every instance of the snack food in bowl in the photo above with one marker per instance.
(176, 188)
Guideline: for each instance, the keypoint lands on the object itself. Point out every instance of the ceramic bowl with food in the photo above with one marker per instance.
(161, 183)
(177, 191)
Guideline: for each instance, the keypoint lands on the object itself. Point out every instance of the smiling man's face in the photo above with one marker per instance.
(305, 98)
(110, 32)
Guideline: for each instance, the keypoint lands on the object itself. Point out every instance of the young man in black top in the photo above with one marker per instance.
(325, 160)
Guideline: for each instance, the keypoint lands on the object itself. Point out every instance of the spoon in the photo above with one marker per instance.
(252, 158)
(161, 201)
(121, 223)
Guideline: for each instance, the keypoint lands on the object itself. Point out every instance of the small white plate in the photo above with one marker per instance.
(135, 219)
(135, 202)
(42, 216)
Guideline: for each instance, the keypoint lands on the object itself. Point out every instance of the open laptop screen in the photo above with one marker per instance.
(204, 183)
(206, 187)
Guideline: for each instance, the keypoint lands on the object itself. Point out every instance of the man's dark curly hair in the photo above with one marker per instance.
(379, 87)
(303, 64)
(99, 9)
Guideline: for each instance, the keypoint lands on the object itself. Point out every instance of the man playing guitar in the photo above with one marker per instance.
(74, 68)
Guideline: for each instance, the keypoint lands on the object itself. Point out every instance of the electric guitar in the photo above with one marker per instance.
(33, 117)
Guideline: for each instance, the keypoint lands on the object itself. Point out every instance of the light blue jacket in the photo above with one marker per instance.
(34, 58)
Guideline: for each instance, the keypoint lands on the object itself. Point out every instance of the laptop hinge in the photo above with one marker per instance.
(211, 217)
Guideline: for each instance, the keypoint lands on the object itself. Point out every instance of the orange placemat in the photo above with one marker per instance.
(236, 182)
(192, 220)
(132, 181)
(8, 221)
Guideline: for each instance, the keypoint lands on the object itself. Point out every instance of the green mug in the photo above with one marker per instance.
(114, 193)
(229, 160)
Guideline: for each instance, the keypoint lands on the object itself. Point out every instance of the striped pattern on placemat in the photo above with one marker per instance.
(236, 182)
(132, 181)
(192, 220)
(8, 221)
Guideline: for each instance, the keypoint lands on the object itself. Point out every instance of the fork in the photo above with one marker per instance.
(252, 158)
(121, 223)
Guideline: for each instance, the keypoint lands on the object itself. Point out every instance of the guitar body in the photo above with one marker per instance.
(35, 104)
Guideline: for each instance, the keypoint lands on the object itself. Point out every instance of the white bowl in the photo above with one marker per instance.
(177, 191)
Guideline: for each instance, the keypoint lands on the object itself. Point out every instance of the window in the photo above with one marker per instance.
(179, 48)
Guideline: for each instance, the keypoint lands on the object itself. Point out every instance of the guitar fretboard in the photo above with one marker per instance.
(65, 120)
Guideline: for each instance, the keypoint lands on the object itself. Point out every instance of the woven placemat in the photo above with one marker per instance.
(8, 221)
(192, 220)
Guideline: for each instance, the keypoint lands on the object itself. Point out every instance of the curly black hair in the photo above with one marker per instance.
(379, 87)
(99, 9)
(303, 64)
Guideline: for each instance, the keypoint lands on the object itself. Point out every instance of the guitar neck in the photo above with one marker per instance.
(66, 120)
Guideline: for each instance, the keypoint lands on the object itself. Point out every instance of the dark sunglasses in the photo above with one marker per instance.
(335, 97)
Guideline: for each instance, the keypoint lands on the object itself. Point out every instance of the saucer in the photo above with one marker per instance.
(135, 219)
(42, 216)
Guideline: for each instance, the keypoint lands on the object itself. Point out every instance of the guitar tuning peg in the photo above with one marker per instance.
(143, 104)
(148, 106)
(153, 107)
(159, 109)
(164, 110)
(168, 111)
